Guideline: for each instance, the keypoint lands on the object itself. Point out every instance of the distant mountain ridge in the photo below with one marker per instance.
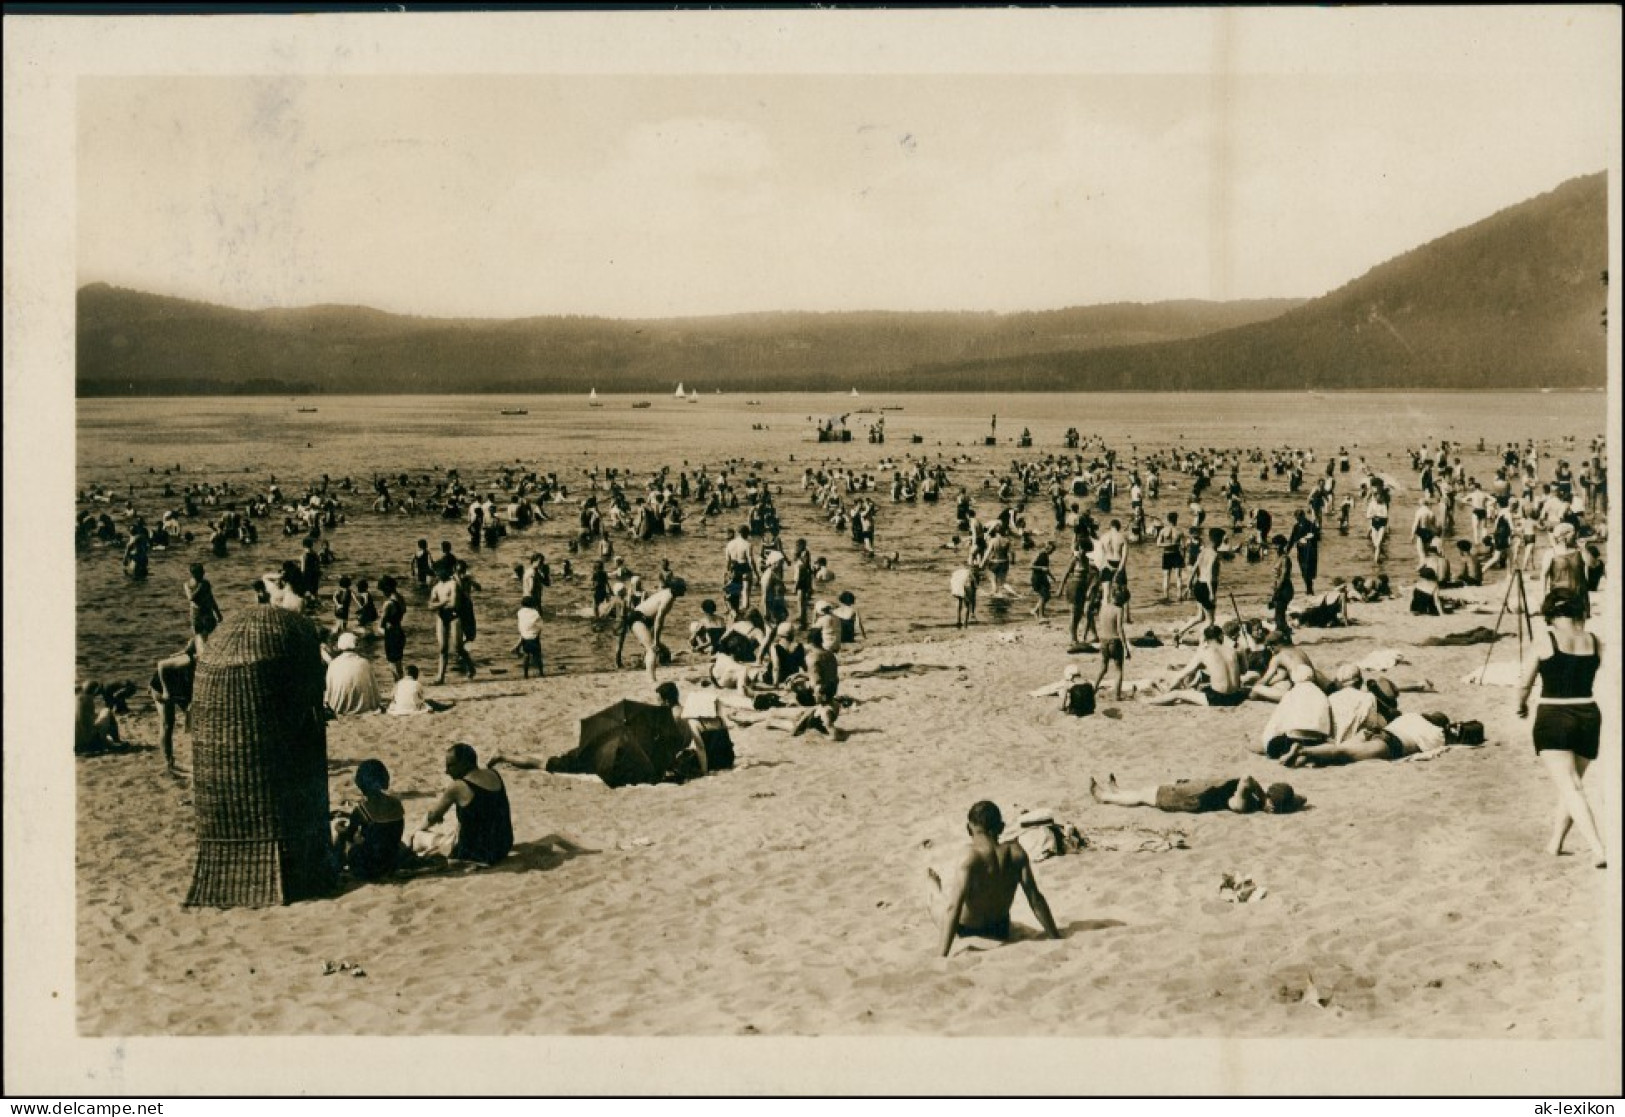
(131, 342)
(1517, 300)
(1513, 301)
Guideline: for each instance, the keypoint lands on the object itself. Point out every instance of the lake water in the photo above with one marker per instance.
(127, 444)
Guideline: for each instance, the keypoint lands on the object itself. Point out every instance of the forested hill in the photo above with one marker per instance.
(1514, 301)
(133, 343)
(1517, 300)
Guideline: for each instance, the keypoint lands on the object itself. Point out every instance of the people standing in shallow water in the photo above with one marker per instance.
(1568, 723)
(392, 621)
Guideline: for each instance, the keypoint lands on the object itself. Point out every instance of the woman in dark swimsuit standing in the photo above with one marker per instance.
(1568, 724)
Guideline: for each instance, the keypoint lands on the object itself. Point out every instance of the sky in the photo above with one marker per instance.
(660, 195)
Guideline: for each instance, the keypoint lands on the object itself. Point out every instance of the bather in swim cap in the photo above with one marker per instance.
(1302, 673)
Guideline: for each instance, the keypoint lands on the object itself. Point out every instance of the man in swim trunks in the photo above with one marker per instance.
(976, 898)
(1243, 795)
(1113, 637)
(1219, 663)
(741, 568)
(1172, 543)
(1204, 586)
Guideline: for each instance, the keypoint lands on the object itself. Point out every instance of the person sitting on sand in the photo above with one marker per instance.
(484, 818)
(350, 687)
(93, 731)
(1241, 794)
(1426, 600)
(976, 898)
(409, 699)
(1215, 662)
(1304, 715)
(701, 724)
(1285, 656)
(1355, 709)
(704, 633)
(368, 841)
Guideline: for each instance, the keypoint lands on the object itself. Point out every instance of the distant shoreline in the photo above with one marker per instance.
(663, 392)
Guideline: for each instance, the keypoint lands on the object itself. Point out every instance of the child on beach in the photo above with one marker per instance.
(530, 636)
(962, 586)
(342, 600)
(1113, 636)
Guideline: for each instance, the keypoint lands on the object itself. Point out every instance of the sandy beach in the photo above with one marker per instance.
(785, 897)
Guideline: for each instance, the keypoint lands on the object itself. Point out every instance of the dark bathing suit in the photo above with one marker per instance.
(1568, 727)
(1214, 698)
(1194, 798)
(998, 929)
(485, 826)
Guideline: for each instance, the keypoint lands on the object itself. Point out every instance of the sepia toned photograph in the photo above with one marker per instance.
(794, 545)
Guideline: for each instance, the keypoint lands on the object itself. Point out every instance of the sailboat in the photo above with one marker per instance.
(854, 391)
(592, 399)
(693, 395)
(680, 390)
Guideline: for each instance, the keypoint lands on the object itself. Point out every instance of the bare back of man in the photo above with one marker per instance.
(975, 900)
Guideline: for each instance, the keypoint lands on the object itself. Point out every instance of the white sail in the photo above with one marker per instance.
(854, 391)
(679, 389)
(593, 394)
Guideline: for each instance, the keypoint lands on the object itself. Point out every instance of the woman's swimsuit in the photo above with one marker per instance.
(1568, 719)
(485, 826)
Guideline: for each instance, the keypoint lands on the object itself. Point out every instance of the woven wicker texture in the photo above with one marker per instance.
(259, 763)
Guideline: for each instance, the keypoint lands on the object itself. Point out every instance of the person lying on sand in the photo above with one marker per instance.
(1406, 735)
(1242, 794)
(976, 898)
(1218, 663)
(1303, 716)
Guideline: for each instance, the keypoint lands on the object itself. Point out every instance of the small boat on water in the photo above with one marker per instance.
(306, 410)
(680, 394)
(753, 403)
(642, 403)
(893, 407)
(693, 395)
(865, 411)
(515, 411)
(854, 391)
(592, 399)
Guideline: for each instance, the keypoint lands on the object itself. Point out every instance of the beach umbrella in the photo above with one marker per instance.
(259, 763)
(629, 742)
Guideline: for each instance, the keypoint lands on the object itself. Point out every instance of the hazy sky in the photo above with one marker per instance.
(672, 195)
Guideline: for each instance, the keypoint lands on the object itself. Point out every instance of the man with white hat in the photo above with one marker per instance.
(350, 687)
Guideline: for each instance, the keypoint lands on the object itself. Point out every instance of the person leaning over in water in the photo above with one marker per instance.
(1219, 663)
(976, 898)
(1242, 794)
(646, 620)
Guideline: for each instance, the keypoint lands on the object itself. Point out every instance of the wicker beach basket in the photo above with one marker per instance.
(259, 764)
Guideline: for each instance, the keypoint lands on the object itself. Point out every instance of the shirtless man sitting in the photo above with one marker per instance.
(1276, 680)
(976, 898)
(1219, 662)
